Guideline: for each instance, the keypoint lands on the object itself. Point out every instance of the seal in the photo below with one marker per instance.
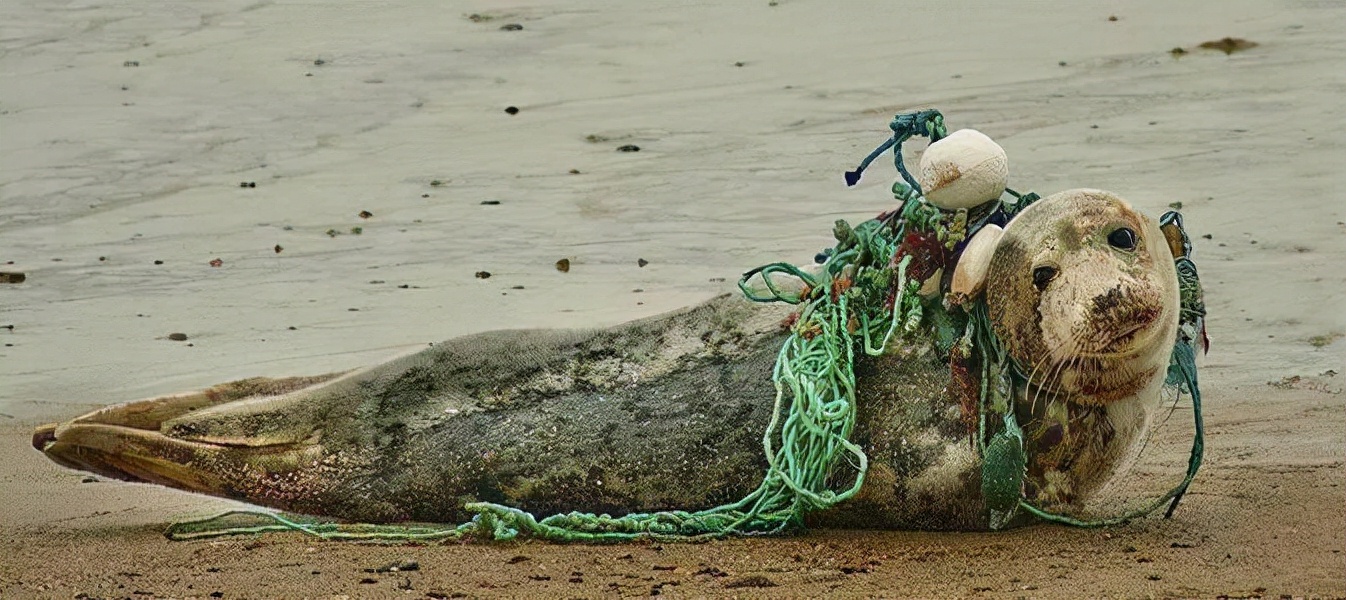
(1083, 294)
(668, 412)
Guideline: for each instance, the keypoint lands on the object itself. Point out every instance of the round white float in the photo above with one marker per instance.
(963, 170)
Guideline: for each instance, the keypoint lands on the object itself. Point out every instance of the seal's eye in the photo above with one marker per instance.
(1122, 239)
(1043, 276)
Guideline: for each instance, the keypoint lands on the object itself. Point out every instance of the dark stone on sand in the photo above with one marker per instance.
(1229, 45)
(364, 214)
(512, 110)
(490, 202)
(517, 559)
(628, 148)
(640, 262)
(750, 581)
(483, 274)
(13, 277)
(178, 337)
(563, 265)
(511, 27)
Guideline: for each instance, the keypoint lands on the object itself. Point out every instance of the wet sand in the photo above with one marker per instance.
(126, 132)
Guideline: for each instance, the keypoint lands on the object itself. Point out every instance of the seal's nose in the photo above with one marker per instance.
(44, 436)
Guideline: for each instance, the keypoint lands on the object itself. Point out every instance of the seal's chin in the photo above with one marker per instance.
(1126, 343)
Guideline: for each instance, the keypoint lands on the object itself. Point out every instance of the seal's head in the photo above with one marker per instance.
(1082, 292)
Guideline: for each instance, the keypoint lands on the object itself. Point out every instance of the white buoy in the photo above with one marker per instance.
(963, 170)
(969, 276)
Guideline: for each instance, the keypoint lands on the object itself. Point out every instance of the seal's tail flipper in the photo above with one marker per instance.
(137, 441)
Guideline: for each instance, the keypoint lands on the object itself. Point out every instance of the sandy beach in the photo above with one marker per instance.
(301, 188)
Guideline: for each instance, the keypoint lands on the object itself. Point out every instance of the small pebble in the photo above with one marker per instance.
(247, 184)
(628, 148)
(517, 287)
(483, 274)
(1175, 205)
(292, 328)
(396, 567)
(278, 248)
(511, 27)
(12, 277)
(158, 262)
(178, 337)
(216, 263)
(319, 62)
(364, 214)
(574, 171)
(640, 262)
(102, 258)
(1061, 64)
(490, 202)
(131, 63)
(563, 265)
(740, 64)
(511, 110)
(1112, 18)
(1229, 45)
(357, 230)
(436, 183)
